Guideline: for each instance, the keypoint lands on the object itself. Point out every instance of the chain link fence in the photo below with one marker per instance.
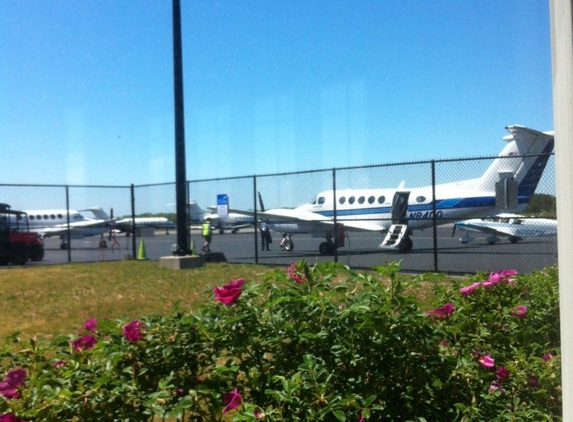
(440, 246)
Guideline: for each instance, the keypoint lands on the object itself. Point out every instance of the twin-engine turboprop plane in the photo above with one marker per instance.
(508, 184)
(233, 221)
(513, 227)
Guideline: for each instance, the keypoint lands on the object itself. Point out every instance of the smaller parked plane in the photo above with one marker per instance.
(514, 227)
(54, 222)
(233, 221)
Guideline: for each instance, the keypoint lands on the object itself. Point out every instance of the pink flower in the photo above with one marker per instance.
(294, 274)
(443, 311)
(84, 343)
(502, 374)
(59, 363)
(10, 417)
(494, 386)
(90, 325)
(466, 291)
(486, 361)
(230, 292)
(13, 379)
(132, 331)
(520, 311)
(503, 275)
(547, 356)
(232, 400)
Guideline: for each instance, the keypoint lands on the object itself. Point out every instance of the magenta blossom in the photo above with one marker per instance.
(443, 311)
(486, 361)
(59, 363)
(13, 379)
(230, 292)
(520, 311)
(132, 331)
(502, 374)
(232, 400)
(503, 275)
(548, 356)
(466, 291)
(10, 417)
(90, 325)
(294, 274)
(84, 343)
(494, 386)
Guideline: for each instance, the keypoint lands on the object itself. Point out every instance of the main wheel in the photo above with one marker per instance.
(288, 245)
(406, 245)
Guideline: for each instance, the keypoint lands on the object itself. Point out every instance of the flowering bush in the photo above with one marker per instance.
(310, 343)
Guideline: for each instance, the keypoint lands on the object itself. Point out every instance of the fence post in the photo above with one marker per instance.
(256, 219)
(335, 216)
(132, 192)
(68, 234)
(434, 223)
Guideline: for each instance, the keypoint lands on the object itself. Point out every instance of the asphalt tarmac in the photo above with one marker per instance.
(360, 251)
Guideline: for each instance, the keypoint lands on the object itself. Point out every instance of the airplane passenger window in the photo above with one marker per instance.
(342, 200)
(60, 216)
(381, 199)
(351, 200)
(31, 217)
(361, 200)
(45, 216)
(52, 216)
(420, 199)
(371, 199)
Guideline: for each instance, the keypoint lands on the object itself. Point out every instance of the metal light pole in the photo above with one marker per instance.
(180, 170)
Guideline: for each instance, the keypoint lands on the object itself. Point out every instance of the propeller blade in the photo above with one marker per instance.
(261, 202)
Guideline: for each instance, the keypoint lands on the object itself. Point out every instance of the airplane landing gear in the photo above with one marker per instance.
(406, 245)
(327, 248)
(286, 243)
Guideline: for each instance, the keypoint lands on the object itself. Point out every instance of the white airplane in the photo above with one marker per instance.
(507, 184)
(233, 221)
(54, 222)
(514, 227)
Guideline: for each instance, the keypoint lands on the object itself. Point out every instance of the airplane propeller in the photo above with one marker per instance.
(261, 202)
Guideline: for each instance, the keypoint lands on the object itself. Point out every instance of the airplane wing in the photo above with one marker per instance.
(284, 216)
(481, 227)
(78, 226)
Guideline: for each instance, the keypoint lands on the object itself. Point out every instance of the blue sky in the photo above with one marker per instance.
(86, 87)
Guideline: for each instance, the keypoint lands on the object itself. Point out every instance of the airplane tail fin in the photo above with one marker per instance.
(195, 212)
(98, 212)
(523, 161)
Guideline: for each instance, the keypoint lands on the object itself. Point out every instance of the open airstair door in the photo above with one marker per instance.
(398, 234)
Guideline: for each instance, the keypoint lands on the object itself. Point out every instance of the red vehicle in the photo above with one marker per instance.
(18, 244)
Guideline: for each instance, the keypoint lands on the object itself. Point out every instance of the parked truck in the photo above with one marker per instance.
(18, 244)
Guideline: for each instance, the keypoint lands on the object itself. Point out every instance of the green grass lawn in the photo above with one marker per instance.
(52, 300)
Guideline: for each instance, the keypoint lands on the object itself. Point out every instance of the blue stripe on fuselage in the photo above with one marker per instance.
(441, 205)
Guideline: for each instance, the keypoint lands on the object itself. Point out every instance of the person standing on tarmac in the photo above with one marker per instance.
(266, 238)
(207, 233)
